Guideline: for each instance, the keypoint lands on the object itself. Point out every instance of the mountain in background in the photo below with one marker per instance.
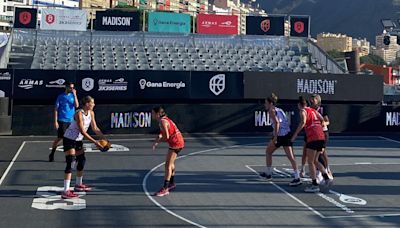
(357, 18)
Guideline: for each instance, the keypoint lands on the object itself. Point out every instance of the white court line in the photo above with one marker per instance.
(348, 164)
(146, 191)
(290, 195)
(391, 140)
(12, 162)
(361, 216)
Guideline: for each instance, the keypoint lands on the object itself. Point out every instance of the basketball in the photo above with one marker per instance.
(105, 144)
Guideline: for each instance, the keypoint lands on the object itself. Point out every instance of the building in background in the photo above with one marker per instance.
(235, 7)
(7, 12)
(362, 45)
(101, 4)
(192, 6)
(332, 41)
(386, 52)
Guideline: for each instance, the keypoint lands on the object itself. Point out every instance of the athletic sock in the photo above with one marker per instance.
(172, 180)
(314, 182)
(66, 185)
(79, 180)
(302, 169)
(296, 174)
(166, 183)
(268, 170)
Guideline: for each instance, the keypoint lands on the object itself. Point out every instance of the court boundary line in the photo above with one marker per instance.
(389, 139)
(3, 177)
(288, 194)
(336, 216)
(147, 193)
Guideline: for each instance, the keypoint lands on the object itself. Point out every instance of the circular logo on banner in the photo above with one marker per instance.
(25, 17)
(265, 25)
(299, 26)
(217, 84)
(50, 18)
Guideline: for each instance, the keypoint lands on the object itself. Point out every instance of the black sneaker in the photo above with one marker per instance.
(51, 157)
(266, 176)
(295, 182)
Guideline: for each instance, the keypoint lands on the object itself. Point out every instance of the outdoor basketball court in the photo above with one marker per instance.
(217, 185)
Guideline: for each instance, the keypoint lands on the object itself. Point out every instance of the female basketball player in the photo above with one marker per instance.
(281, 137)
(73, 146)
(171, 134)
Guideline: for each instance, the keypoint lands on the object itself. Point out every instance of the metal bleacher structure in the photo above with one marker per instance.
(101, 50)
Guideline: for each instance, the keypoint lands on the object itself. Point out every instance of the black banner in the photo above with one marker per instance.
(216, 85)
(6, 83)
(257, 25)
(161, 85)
(41, 84)
(331, 87)
(299, 26)
(105, 85)
(115, 20)
(25, 18)
(219, 118)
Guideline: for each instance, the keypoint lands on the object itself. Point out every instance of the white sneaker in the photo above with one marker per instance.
(312, 189)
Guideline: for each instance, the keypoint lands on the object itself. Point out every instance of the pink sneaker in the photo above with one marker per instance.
(69, 195)
(82, 188)
(171, 187)
(162, 192)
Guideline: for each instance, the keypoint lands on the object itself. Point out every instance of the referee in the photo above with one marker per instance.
(64, 114)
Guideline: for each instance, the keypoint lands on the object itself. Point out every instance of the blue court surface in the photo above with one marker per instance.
(217, 185)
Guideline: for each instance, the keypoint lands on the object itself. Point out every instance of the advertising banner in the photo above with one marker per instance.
(217, 24)
(63, 19)
(299, 26)
(105, 85)
(216, 85)
(257, 25)
(169, 22)
(155, 85)
(25, 18)
(39, 85)
(331, 87)
(5, 83)
(115, 20)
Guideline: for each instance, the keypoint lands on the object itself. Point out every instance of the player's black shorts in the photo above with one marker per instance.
(176, 150)
(72, 144)
(62, 127)
(284, 140)
(316, 145)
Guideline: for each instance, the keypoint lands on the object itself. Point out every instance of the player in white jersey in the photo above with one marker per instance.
(281, 137)
(73, 146)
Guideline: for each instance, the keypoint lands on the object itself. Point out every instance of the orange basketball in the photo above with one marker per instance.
(105, 144)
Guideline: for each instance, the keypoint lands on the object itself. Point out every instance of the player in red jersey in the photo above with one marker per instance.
(312, 122)
(171, 134)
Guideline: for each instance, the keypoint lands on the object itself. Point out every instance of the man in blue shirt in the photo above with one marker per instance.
(64, 114)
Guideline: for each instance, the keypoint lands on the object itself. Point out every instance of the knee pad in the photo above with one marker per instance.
(81, 160)
(69, 159)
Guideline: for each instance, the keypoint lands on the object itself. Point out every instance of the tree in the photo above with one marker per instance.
(335, 54)
(372, 59)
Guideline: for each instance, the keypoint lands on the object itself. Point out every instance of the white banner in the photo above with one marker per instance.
(63, 19)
